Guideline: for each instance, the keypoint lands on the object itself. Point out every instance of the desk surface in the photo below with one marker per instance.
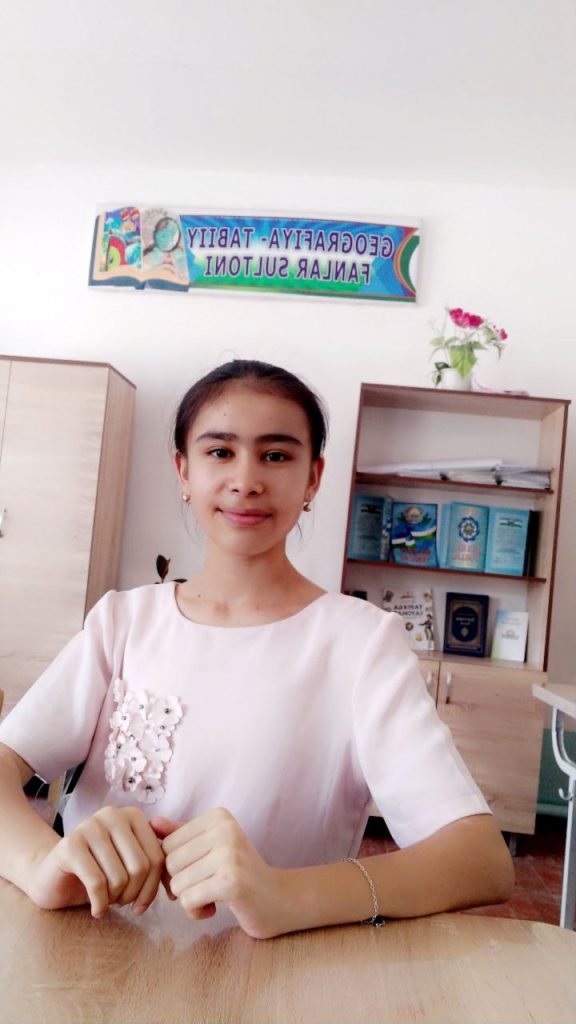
(64, 967)
(558, 695)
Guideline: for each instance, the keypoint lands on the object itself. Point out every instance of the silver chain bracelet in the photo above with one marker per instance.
(377, 920)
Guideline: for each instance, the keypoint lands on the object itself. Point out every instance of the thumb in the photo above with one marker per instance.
(164, 827)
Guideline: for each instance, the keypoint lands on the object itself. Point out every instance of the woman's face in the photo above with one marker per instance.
(248, 469)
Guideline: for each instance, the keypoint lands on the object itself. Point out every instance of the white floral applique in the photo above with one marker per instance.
(140, 741)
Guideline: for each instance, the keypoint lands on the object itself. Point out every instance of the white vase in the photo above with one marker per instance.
(451, 380)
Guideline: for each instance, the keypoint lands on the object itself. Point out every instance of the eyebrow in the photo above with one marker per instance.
(221, 435)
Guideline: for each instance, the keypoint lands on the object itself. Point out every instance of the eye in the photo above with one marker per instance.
(276, 457)
(219, 453)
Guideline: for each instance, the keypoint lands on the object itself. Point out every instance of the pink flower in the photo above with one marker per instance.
(502, 334)
(462, 319)
(456, 315)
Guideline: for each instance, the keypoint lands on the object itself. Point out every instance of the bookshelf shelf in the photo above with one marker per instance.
(392, 480)
(451, 572)
(487, 704)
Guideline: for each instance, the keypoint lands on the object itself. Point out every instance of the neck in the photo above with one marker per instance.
(235, 580)
(243, 591)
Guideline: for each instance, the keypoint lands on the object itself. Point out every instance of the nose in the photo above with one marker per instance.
(245, 477)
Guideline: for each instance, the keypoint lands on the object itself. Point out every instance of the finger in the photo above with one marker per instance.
(163, 827)
(141, 856)
(200, 913)
(166, 883)
(189, 852)
(193, 873)
(77, 859)
(200, 901)
(214, 818)
(110, 862)
(154, 854)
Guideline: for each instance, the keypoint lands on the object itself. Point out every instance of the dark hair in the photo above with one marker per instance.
(261, 376)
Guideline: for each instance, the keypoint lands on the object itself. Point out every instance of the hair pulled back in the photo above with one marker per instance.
(262, 377)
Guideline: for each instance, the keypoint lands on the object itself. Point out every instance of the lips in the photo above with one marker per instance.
(244, 517)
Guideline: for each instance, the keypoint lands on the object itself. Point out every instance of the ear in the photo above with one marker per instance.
(316, 471)
(181, 464)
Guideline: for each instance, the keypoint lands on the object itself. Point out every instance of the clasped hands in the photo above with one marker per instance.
(119, 857)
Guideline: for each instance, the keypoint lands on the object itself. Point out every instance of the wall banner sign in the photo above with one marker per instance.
(158, 248)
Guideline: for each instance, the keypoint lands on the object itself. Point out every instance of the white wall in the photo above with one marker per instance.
(503, 252)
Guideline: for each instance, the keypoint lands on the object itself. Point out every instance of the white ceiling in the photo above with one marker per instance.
(451, 90)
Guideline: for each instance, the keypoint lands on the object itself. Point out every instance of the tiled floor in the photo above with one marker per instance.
(538, 864)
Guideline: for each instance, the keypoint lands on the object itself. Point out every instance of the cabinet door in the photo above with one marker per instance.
(497, 726)
(48, 483)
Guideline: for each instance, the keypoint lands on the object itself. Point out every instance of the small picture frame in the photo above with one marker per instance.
(466, 624)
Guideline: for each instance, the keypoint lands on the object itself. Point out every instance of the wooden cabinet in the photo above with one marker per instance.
(488, 705)
(497, 727)
(65, 431)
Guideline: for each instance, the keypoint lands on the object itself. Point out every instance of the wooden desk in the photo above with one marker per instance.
(61, 966)
(562, 699)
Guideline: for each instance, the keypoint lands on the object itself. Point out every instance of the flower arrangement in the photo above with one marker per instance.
(462, 337)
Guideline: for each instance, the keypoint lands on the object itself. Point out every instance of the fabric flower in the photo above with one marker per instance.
(131, 755)
(156, 748)
(148, 790)
(137, 702)
(165, 713)
(139, 742)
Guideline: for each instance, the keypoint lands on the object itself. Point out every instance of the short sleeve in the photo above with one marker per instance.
(52, 725)
(416, 776)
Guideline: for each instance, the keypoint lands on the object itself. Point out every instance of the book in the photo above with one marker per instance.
(506, 542)
(442, 533)
(530, 559)
(467, 530)
(414, 533)
(466, 623)
(510, 635)
(370, 527)
(416, 608)
(139, 246)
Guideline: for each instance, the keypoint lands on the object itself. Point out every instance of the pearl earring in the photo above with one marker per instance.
(186, 499)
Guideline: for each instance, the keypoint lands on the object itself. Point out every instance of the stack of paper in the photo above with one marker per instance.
(471, 471)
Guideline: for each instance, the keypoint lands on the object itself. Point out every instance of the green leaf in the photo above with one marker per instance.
(463, 359)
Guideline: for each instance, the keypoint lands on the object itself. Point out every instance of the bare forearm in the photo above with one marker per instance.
(465, 864)
(23, 833)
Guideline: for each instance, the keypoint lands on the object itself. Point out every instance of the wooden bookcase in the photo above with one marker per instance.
(488, 705)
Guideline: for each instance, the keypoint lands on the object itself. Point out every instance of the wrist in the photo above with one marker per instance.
(325, 895)
(29, 874)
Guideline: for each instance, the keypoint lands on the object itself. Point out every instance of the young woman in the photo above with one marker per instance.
(235, 727)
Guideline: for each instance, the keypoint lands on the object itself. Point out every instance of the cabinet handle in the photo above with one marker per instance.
(2, 514)
(429, 681)
(448, 688)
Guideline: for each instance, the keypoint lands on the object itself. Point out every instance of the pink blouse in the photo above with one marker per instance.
(292, 726)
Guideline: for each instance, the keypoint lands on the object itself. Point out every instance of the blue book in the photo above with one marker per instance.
(414, 533)
(467, 537)
(507, 536)
(444, 512)
(370, 528)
